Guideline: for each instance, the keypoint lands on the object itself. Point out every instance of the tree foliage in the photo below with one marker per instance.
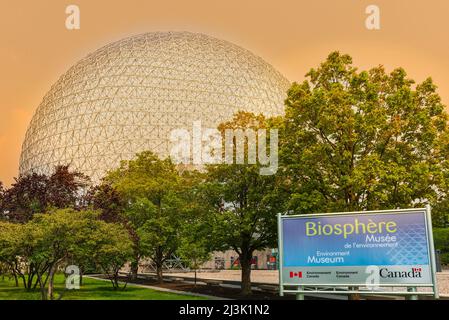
(36, 250)
(441, 239)
(35, 193)
(10, 243)
(151, 188)
(245, 202)
(196, 236)
(108, 201)
(363, 140)
(113, 248)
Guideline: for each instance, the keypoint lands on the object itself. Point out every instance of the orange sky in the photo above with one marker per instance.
(292, 35)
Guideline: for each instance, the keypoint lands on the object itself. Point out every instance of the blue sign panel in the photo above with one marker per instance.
(386, 247)
(357, 240)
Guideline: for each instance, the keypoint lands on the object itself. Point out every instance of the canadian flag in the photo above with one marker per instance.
(296, 274)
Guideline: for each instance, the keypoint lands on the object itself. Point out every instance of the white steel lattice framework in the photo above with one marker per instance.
(127, 97)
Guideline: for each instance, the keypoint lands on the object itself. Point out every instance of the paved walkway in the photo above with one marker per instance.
(264, 276)
(272, 277)
(184, 293)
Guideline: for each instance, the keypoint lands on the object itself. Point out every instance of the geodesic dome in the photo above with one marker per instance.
(127, 97)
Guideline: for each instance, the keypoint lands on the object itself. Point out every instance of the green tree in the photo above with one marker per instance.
(9, 244)
(440, 214)
(66, 236)
(115, 208)
(57, 237)
(196, 232)
(159, 235)
(151, 188)
(245, 202)
(112, 249)
(20, 243)
(364, 140)
(441, 239)
(194, 248)
(36, 250)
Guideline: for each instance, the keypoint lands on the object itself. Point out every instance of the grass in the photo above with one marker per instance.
(92, 289)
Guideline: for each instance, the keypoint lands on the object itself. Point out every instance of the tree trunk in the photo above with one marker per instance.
(195, 279)
(159, 272)
(16, 280)
(51, 275)
(81, 277)
(134, 268)
(116, 284)
(159, 260)
(354, 296)
(41, 287)
(24, 281)
(245, 263)
(29, 282)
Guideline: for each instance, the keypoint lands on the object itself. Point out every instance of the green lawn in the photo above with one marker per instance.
(92, 289)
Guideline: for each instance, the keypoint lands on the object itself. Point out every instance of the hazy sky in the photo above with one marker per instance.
(292, 35)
